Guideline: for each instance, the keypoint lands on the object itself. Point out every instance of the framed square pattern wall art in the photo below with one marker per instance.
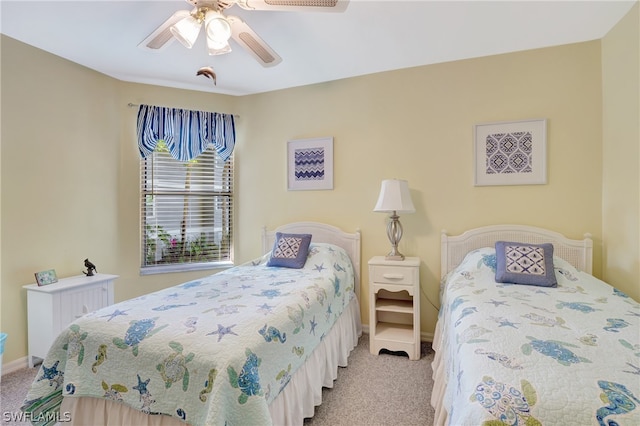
(310, 164)
(511, 153)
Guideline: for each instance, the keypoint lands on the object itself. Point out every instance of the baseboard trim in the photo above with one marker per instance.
(15, 365)
(426, 337)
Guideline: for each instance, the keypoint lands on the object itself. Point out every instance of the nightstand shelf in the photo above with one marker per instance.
(391, 305)
(394, 308)
(401, 333)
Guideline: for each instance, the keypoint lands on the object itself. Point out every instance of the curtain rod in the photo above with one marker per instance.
(131, 105)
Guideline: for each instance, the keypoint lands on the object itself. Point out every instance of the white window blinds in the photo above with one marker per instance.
(186, 211)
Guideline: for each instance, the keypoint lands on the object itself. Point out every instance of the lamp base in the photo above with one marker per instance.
(394, 257)
(394, 232)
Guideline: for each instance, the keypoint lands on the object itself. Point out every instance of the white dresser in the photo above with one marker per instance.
(51, 308)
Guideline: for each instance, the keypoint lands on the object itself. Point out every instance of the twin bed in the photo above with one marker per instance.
(536, 352)
(254, 344)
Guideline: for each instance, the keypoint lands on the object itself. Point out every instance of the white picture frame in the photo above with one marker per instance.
(310, 164)
(510, 153)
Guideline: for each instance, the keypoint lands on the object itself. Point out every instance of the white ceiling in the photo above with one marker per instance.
(370, 36)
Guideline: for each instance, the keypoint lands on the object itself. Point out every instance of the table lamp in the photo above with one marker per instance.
(394, 198)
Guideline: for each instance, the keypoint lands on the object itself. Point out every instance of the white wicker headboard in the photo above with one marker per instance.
(322, 233)
(579, 253)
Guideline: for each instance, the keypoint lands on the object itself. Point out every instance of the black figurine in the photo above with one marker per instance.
(91, 268)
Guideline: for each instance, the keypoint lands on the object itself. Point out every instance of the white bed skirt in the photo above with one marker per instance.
(439, 380)
(295, 403)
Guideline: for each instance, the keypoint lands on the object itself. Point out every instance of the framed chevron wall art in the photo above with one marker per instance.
(310, 164)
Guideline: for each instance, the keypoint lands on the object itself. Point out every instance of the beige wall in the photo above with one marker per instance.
(417, 124)
(59, 176)
(621, 154)
(414, 124)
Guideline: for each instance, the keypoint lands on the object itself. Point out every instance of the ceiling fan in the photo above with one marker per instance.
(184, 25)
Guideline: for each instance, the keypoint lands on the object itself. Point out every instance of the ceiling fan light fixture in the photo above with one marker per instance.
(186, 31)
(217, 28)
(214, 48)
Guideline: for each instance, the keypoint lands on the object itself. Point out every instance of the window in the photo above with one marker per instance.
(186, 211)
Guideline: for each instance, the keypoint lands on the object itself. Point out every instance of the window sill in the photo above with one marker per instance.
(184, 267)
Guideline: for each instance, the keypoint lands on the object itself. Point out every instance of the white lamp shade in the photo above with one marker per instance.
(214, 48)
(394, 196)
(217, 28)
(186, 31)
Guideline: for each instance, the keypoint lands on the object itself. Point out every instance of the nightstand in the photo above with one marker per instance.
(394, 305)
(51, 308)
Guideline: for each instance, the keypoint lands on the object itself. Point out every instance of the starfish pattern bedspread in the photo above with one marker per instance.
(528, 355)
(212, 351)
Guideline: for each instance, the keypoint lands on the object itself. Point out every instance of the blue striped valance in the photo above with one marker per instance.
(186, 133)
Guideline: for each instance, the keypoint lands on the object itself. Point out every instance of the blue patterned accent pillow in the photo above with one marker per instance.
(523, 263)
(290, 250)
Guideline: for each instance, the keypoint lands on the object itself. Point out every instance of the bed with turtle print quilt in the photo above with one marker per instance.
(561, 348)
(238, 347)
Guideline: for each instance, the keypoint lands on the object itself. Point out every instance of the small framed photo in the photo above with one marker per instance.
(511, 153)
(46, 277)
(310, 164)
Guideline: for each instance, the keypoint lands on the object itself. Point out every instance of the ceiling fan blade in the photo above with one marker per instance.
(295, 5)
(162, 36)
(249, 40)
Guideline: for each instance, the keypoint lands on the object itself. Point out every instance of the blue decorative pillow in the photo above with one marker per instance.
(523, 263)
(290, 250)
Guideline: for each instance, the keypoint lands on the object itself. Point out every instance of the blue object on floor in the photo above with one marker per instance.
(3, 337)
